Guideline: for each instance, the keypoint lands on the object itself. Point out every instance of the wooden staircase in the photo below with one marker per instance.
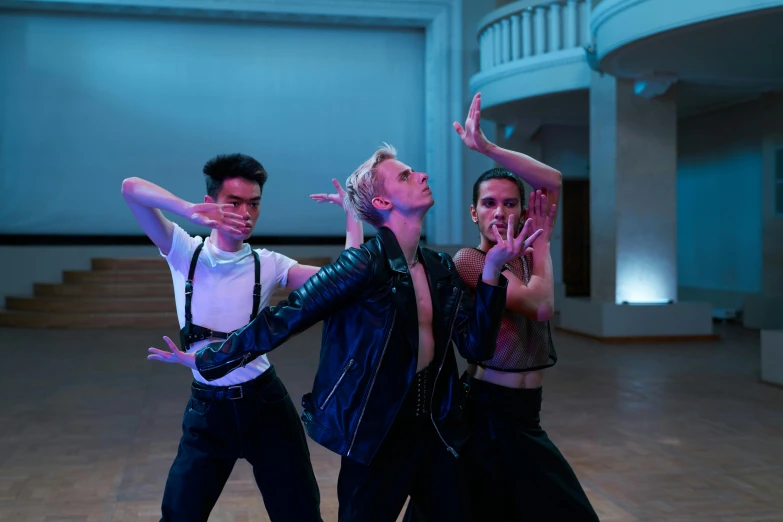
(116, 293)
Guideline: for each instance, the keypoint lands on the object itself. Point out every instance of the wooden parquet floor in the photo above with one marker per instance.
(678, 432)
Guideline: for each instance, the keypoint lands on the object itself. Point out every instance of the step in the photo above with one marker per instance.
(130, 263)
(87, 321)
(103, 291)
(117, 276)
(159, 264)
(91, 305)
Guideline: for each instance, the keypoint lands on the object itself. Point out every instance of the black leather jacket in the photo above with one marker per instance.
(370, 343)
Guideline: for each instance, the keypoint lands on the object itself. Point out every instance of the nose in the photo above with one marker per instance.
(423, 177)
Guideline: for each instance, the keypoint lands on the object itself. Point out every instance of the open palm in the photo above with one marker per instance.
(215, 215)
(335, 199)
(540, 216)
(471, 134)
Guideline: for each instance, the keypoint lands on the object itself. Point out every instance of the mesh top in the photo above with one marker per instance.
(523, 344)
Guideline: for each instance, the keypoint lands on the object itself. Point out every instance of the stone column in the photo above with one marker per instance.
(633, 199)
(633, 218)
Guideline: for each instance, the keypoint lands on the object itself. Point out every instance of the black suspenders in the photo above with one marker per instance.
(256, 287)
(193, 332)
(189, 283)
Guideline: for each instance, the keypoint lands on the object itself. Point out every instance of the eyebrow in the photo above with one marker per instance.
(490, 198)
(232, 196)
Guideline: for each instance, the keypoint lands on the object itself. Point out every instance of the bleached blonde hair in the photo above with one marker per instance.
(364, 185)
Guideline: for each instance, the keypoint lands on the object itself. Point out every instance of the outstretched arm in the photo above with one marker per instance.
(147, 201)
(354, 232)
(536, 174)
(333, 288)
(354, 236)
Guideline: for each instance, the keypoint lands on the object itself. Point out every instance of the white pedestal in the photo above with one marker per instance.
(624, 323)
(772, 356)
(763, 312)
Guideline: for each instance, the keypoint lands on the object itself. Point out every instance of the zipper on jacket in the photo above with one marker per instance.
(347, 367)
(231, 365)
(372, 382)
(435, 383)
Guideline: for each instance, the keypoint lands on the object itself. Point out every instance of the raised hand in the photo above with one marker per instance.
(334, 199)
(511, 247)
(174, 356)
(540, 216)
(217, 216)
(471, 134)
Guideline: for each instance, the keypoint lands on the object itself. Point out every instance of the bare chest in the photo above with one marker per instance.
(423, 298)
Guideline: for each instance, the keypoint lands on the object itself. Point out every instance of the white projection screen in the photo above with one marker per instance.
(88, 101)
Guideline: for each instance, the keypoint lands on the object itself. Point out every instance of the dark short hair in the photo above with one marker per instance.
(228, 166)
(498, 173)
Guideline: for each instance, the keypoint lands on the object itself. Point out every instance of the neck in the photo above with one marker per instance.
(226, 244)
(407, 229)
(485, 244)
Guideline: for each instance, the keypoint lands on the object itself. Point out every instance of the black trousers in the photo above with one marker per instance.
(412, 461)
(514, 471)
(262, 427)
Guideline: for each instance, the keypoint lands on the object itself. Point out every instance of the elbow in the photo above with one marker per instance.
(545, 311)
(129, 186)
(558, 179)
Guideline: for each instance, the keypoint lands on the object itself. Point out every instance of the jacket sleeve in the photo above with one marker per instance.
(477, 323)
(333, 288)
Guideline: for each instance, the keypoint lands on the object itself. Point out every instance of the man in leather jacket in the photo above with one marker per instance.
(386, 395)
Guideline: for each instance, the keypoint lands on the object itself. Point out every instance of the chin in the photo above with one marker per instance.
(242, 237)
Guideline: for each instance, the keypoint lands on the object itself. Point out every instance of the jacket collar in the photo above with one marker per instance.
(394, 253)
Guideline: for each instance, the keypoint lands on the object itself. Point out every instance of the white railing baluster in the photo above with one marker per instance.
(490, 46)
(505, 40)
(555, 23)
(584, 37)
(540, 30)
(571, 25)
(527, 33)
(498, 47)
(482, 51)
(516, 39)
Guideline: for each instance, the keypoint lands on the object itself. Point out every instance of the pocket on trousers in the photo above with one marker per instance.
(198, 407)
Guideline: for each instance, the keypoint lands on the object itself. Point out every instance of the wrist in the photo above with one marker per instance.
(540, 248)
(491, 270)
(183, 208)
(490, 150)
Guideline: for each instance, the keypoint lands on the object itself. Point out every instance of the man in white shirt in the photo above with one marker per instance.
(220, 284)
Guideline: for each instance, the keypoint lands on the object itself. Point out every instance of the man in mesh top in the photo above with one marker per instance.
(515, 471)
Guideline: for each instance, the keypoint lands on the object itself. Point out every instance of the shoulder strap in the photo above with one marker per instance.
(189, 283)
(257, 286)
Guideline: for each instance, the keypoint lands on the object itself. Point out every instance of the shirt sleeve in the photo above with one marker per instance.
(182, 247)
(282, 265)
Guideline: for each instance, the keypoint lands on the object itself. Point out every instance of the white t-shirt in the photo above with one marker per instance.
(223, 292)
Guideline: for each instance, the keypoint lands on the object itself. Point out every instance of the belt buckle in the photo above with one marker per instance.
(241, 392)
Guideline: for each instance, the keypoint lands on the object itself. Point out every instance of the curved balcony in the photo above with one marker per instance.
(733, 44)
(531, 48)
